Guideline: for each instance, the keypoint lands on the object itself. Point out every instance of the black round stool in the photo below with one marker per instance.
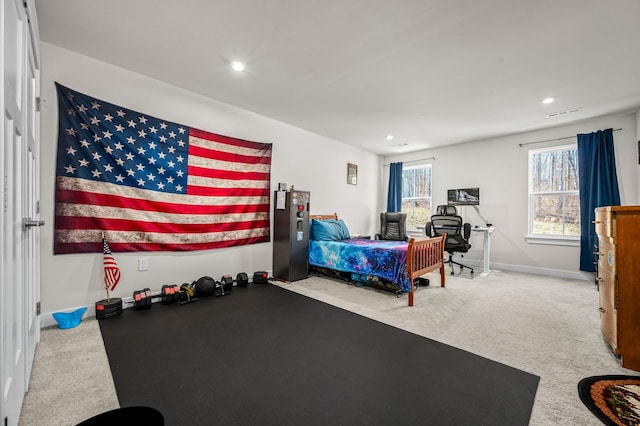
(127, 416)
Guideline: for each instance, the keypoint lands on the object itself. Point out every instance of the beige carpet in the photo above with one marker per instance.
(545, 326)
(71, 380)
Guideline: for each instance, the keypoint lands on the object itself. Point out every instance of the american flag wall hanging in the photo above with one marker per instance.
(153, 185)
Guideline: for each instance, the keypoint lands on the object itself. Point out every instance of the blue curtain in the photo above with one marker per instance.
(394, 199)
(598, 186)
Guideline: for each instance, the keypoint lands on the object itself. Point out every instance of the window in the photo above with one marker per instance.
(554, 206)
(416, 195)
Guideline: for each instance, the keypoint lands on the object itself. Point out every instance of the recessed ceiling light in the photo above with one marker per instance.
(389, 137)
(549, 100)
(237, 66)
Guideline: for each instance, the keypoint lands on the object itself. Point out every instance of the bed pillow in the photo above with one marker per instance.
(344, 231)
(329, 230)
(324, 230)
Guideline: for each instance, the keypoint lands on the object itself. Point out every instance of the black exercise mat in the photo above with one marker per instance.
(266, 355)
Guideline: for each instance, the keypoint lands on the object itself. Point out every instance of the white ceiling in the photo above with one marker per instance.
(431, 72)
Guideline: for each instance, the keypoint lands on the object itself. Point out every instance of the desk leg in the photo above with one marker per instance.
(486, 248)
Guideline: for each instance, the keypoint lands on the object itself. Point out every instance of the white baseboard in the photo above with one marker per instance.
(47, 320)
(558, 273)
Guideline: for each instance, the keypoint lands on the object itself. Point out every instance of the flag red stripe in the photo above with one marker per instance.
(111, 276)
(213, 154)
(64, 248)
(75, 222)
(227, 192)
(228, 140)
(92, 198)
(227, 174)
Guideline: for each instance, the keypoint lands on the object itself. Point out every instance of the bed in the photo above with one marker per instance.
(397, 262)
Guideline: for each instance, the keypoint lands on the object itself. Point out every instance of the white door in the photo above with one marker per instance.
(19, 162)
(31, 198)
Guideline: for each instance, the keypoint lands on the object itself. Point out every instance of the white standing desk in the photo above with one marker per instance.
(486, 246)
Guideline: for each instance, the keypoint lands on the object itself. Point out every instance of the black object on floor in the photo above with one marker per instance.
(126, 416)
(266, 355)
(108, 308)
(612, 399)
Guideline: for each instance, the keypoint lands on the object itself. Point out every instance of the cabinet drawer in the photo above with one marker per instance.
(605, 223)
(606, 255)
(608, 311)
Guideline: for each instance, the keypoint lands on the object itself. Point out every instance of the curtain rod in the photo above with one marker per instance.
(413, 161)
(555, 139)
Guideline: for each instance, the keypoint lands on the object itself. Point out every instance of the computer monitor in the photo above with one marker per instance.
(463, 197)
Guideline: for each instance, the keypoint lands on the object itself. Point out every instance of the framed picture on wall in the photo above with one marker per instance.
(352, 174)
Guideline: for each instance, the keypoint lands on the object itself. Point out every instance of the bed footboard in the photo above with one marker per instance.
(425, 255)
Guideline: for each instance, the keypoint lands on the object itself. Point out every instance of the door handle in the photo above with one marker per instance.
(27, 223)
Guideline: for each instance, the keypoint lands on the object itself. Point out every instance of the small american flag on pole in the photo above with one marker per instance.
(111, 270)
(152, 184)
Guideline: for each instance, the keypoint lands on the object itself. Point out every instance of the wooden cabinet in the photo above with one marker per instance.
(618, 230)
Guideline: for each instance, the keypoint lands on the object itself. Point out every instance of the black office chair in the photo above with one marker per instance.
(393, 226)
(458, 234)
(446, 209)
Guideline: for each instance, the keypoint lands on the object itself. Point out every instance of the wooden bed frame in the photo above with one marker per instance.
(423, 255)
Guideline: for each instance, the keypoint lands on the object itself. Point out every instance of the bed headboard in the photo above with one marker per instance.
(324, 216)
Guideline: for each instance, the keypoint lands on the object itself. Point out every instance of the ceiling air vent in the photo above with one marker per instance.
(400, 146)
(561, 113)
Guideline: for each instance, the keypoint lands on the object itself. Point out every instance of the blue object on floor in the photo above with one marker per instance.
(69, 319)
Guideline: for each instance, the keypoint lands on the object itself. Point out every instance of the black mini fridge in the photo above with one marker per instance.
(291, 235)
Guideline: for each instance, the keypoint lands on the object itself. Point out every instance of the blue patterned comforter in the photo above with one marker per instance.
(384, 259)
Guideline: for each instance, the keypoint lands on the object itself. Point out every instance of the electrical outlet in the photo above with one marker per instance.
(143, 263)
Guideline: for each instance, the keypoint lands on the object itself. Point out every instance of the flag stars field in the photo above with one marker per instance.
(117, 122)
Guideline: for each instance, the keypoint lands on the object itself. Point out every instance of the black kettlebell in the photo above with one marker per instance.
(205, 286)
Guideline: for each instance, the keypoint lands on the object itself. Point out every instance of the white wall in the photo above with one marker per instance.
(499, 168)
(308, 161)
